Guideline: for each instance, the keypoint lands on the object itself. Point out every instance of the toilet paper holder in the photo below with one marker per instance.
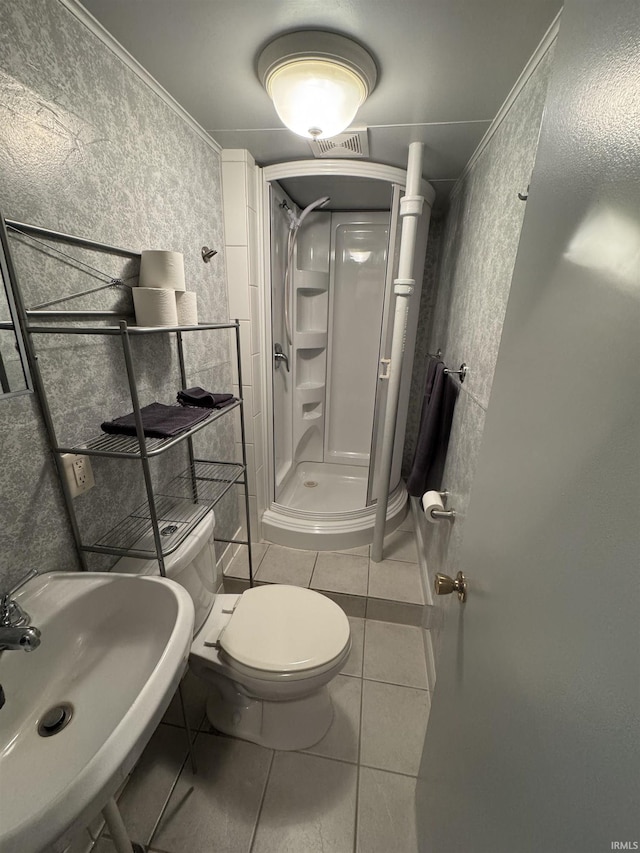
(447, 514)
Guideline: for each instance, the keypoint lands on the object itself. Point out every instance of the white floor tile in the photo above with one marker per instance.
(286, 565)
(146, 792)
(239, 567)
(342, 739)
(395, 580)
(345, 573)
(394, 722)
(395, 654)
(216, 809)
(359, 550)
(309, 806)
(386, 813)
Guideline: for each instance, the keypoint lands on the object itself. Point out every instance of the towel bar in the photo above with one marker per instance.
(461, 373)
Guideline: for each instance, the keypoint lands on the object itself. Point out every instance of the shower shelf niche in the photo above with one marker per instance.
(311, 310)
(310, 340)
(312, 411)
(310, 368)
(310, 386)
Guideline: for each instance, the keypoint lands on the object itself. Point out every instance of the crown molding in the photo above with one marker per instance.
(538, 55)
(95, 27)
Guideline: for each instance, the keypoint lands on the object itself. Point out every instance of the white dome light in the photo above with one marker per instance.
(317, 81)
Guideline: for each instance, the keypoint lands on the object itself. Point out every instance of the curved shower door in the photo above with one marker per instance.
(282, 378)
(359, 243)
(384, 345)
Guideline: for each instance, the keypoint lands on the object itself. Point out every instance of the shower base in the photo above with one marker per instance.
(325, 487)
(322, 508)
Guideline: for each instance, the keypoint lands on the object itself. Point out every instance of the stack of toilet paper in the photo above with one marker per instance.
(161, 298)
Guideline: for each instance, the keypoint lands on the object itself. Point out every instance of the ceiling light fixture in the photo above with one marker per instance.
(317, 81)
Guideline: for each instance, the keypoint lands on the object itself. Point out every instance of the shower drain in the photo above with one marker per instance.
(55, 719)
(310, 484)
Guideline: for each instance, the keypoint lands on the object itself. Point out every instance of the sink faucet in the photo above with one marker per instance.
(15, 632)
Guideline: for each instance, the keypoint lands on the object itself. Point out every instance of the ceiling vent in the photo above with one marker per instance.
(351, 143)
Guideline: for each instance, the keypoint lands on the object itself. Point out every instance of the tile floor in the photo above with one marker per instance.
(390, 590)
(353, 792)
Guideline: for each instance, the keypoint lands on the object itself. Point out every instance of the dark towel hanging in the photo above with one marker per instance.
(439, 402)
(205, 399)
(158, 421)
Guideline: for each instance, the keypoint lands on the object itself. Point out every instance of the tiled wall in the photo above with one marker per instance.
(88, 148)
(240, 193)
(477, 257)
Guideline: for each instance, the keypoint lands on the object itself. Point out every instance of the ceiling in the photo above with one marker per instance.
(445, 67)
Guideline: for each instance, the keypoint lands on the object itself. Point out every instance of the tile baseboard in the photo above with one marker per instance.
(364, 607)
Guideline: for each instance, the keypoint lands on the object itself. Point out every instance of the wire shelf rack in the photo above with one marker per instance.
(128, 446)
(178, 511)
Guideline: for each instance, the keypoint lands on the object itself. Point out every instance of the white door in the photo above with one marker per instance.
(533, 743)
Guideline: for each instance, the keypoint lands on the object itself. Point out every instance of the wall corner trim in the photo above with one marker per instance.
(547, 40)
(94, 26)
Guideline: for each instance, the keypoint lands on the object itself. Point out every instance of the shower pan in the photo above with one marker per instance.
(331, 267)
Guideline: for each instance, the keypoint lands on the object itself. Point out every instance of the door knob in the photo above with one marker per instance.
(445, 585)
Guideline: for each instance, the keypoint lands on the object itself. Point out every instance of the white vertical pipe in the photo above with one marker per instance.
(410, 211)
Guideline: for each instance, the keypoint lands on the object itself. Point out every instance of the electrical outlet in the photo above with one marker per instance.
(78, 473)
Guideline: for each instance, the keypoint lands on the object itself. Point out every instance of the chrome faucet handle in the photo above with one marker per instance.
(11, 614)
(23, 580)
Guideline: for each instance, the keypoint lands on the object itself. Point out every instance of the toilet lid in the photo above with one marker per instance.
(285, 629)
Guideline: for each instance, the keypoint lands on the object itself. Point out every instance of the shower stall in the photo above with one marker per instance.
(332, 232)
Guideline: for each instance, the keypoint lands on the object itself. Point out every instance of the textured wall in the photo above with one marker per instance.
(477, 257)
(86, 147)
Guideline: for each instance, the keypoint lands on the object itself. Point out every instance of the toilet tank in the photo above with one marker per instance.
(192, 565)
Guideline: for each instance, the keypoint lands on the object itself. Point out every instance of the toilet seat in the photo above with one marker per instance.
(275, 633)
(284, 629)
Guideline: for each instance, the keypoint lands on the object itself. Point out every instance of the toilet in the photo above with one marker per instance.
(267, 654)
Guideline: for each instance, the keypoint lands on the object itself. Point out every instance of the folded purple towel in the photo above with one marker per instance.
(158, 421)
(207, 399)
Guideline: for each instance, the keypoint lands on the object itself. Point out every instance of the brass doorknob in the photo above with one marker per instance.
(445, 585)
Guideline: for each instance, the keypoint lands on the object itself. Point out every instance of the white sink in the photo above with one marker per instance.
(113, 647)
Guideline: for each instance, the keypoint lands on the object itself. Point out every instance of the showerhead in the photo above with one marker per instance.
(319, 202)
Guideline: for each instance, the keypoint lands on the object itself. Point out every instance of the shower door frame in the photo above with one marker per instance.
(391, 175)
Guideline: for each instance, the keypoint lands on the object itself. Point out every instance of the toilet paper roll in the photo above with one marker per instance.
(187, 305)
(155, 306)
(431, 500)
(162, 269)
